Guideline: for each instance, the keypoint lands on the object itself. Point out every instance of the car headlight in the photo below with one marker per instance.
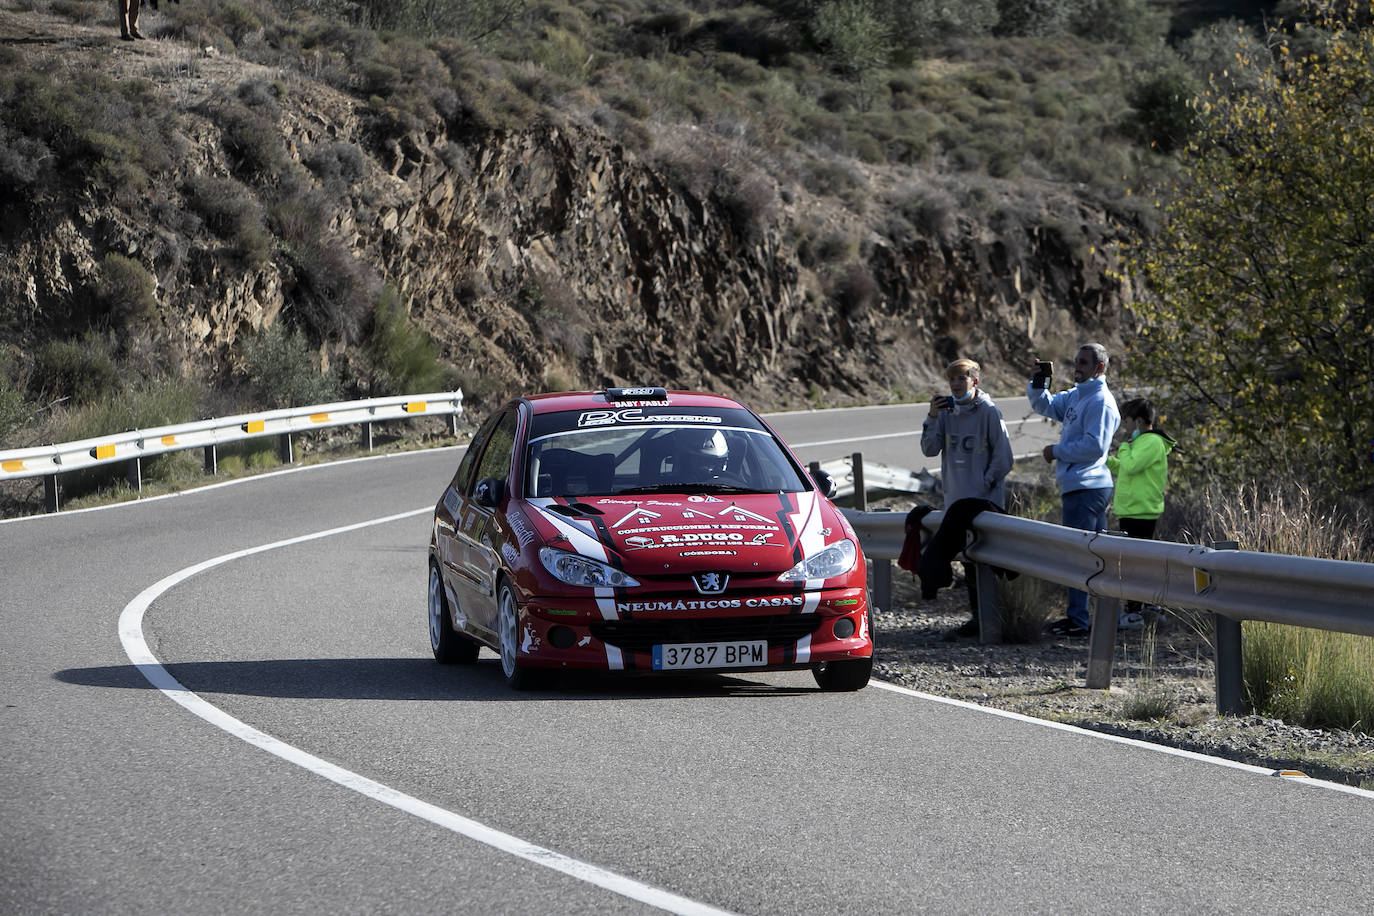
(835, 560)
(575, 569)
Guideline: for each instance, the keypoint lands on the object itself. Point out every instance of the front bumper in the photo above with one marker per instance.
(620, 634)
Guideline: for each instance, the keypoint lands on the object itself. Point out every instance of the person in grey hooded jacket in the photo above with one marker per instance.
(966, 430)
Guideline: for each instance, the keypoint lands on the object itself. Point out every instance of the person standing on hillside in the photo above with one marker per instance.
(128, 19)
(967, 431)
(1141, 466)
(1090, 418)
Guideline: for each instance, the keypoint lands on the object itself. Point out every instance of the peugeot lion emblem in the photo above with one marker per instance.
(710, 583)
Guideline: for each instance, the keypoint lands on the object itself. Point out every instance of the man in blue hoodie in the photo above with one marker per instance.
(1090, 417)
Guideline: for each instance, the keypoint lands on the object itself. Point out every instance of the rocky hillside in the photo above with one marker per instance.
(545, 257)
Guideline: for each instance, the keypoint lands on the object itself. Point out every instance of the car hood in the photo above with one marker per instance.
(754, 533)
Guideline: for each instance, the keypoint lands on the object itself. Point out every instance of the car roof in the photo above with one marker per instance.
(582, 400)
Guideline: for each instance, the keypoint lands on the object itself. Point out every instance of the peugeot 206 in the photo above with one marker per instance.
(644, 530)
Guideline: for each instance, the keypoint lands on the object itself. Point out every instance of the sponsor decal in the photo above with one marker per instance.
(710, 537)
(702, 526)
(521, 529)
(692, 513)
(739, 514)
(510, 553)
(708, 604)
(703, 499)
(637, 502)
(759, 539)
(641, 516)
(638, 542)
(635, 415)
(825, 532)
(709, 553)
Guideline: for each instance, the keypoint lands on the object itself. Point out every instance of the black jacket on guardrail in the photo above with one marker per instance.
(931, 563)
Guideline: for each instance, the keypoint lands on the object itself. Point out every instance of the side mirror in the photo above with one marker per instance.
(824, 482)
(489, 492)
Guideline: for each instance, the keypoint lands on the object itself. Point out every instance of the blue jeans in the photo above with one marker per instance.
(1087, 511)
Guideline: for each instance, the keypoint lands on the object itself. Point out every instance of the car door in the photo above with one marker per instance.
(480, 528)
(448, 522)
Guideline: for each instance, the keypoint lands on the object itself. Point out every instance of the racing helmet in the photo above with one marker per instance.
(701, 453)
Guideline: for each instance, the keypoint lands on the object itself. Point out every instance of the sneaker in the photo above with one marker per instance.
(1066, 627)
(1131, 620)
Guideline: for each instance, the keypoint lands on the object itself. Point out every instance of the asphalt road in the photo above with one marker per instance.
(310, 757)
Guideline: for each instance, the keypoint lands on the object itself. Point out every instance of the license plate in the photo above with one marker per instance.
(710, 655)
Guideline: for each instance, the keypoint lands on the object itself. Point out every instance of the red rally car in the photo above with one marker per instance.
(643, 530)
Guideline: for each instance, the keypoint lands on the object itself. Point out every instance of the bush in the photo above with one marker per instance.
(403, 357)
(233, 213)
(333, 293)
(125, 290)
(1163, 116)
(281, 371)
(82, 370)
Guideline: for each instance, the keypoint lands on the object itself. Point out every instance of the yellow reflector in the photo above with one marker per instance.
(416, 407)
(103, 451)
(12, 465)
(254, 426)
(169, 440)
(319, 417)
(1202, 580)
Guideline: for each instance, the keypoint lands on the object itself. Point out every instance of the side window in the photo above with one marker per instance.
(479, 439)
(495, 461)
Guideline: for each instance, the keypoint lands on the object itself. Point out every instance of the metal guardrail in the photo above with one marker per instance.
(1333, 595)
(50, 461)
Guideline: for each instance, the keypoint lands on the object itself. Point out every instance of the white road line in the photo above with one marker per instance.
(1118, 739)
(136, 648)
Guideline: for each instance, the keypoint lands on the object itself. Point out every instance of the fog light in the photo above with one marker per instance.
(844, 628)
(564, 637)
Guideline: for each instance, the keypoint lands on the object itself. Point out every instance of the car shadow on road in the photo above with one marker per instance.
(417, 679)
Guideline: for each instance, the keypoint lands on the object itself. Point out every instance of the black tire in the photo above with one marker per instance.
(847, 675)
(449, 646)
(507, 640)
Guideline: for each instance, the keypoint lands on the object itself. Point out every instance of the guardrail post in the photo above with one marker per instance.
(453, 425)
(366, 441)
(134, 474)
(989, 604)
(1102, 641)
(211, 460)
(860, 492)
(52, 492)
(882, 581)
(1230, 657)
(284, 448)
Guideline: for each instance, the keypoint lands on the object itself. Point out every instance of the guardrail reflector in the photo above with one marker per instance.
(169, 440)
(12, 465)
(253, 426)
(103, 451)
(319, 417)
(416, 406)
(1202, 580)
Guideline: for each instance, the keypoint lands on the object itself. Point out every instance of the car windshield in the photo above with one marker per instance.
(659, 459)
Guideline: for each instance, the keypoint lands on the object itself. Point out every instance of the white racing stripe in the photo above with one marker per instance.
(136, 648)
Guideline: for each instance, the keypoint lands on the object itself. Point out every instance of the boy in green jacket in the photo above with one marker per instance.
(1141, 466)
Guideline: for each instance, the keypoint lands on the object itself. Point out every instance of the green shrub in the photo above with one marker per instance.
(403, 357)
(281, 370)
(81, 370)
(1163, 116)
(852, 36)
(126, 290)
